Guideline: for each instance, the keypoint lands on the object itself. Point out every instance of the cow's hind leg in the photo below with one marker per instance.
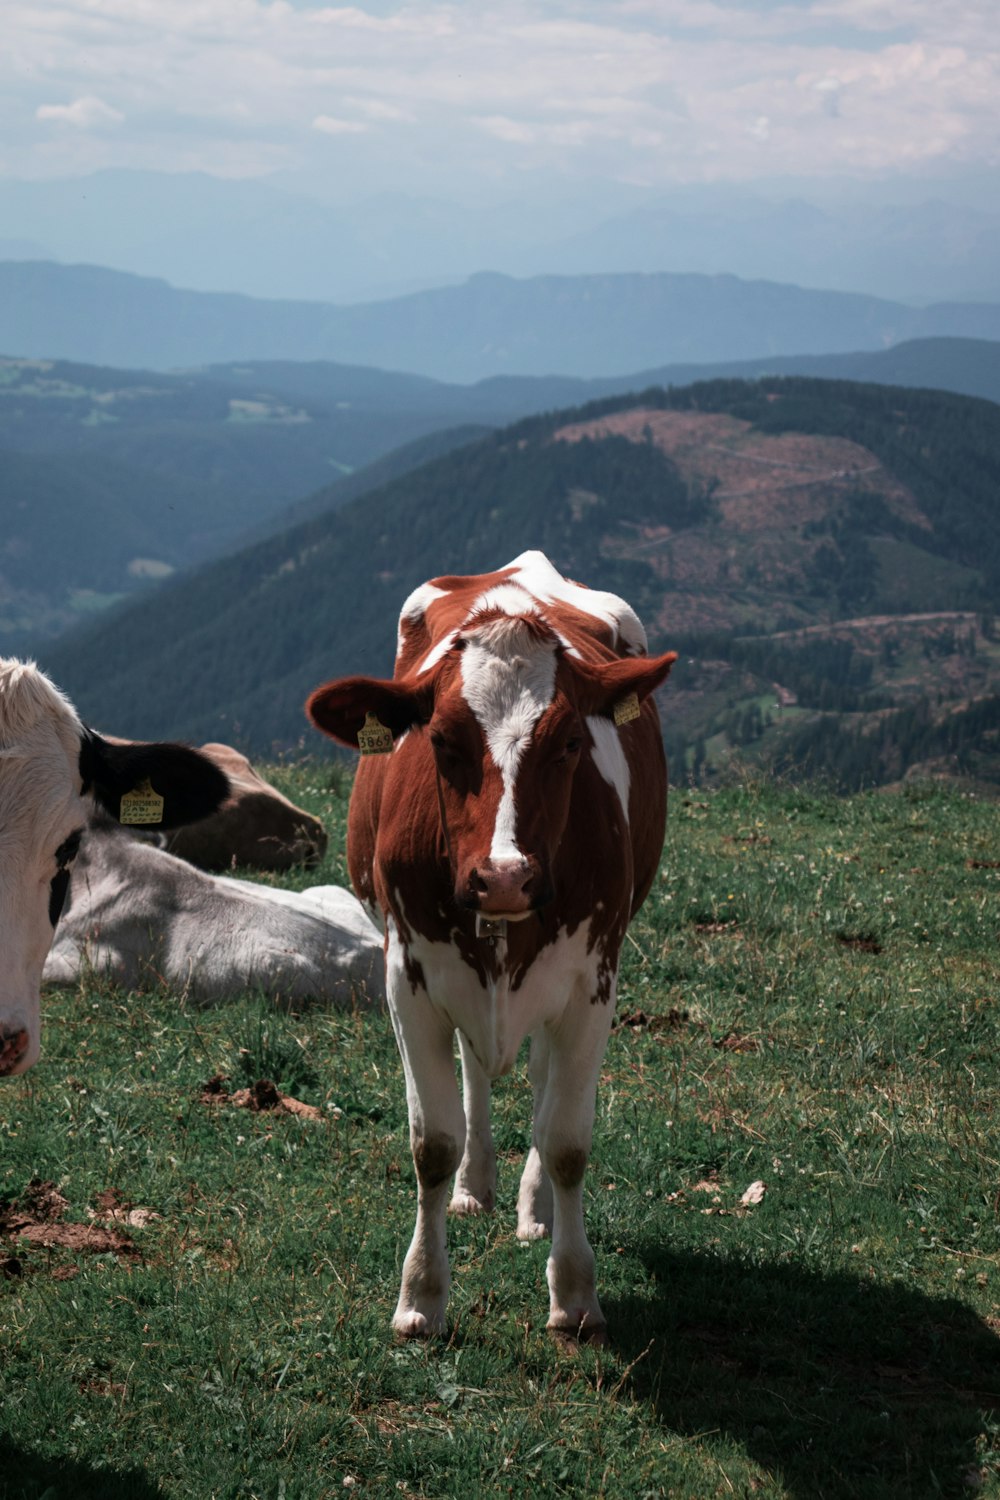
(534, 1198)
(564, 1131)
(476, 1183)
(437, 1138)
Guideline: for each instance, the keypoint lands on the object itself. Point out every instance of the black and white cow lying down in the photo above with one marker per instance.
(144, 917)
(54, 773)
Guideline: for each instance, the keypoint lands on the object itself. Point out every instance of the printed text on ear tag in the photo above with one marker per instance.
(627, 709)
(141, 805)
(374, 738)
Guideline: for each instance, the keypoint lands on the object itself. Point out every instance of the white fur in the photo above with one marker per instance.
(508, 681)
(535, 574)
(40, 805)
(142, 916)
(414, 608)
(609, 757)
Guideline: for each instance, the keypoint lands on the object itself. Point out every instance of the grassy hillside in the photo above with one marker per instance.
(809, 1001)
(747, 524)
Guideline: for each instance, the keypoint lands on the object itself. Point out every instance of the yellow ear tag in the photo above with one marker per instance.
(627, 709)
(141, 805)
(373, 737)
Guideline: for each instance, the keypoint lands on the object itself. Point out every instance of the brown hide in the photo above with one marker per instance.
(257, 826)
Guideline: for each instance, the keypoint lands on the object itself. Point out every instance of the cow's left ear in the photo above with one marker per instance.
(615, 689)
(155, 784)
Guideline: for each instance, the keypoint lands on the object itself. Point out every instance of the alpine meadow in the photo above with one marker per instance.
(442, 446)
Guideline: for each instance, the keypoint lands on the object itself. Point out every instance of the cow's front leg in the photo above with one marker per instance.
(437, 1138)
(476, 1183)
(564, 1131)
(534, 1198)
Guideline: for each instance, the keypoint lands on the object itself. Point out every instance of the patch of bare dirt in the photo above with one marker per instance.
(861, 942)
(638, 1020)
(37, 1219)
(262, 1097)
(738, 1041)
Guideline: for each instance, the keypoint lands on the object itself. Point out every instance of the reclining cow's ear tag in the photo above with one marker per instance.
(627, 709)
(141, 805)
(373, 737)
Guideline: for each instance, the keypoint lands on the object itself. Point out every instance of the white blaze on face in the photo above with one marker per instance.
(508, 681)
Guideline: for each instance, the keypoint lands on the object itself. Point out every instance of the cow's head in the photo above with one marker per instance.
(53, 771)
(507, 708)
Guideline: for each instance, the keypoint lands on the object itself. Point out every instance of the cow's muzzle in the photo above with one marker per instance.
(14, 1044)
(509, 888)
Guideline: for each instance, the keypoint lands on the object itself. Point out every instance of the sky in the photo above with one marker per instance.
(472, 97)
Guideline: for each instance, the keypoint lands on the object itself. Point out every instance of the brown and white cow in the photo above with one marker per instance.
(53, 771)
(507, 828)
(256, 826)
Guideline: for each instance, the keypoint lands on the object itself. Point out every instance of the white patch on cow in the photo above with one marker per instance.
(508, 681)
(141, 916)
(507, 598)
(534, 573)
(609, 757)
(435, 654)
(40, 805)
(494, 1018)
(414, 608)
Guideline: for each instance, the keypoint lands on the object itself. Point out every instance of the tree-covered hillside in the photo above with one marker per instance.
(815, 548)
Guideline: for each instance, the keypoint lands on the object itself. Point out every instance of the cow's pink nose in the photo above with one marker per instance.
(13, 1046)
(503, 886)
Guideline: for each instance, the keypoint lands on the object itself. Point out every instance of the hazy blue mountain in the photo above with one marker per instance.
(280, 236)
(586, 326)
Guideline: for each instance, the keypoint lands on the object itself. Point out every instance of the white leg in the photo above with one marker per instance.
(564, 1130)
(534, 1198)
(476, 1183)
(437, 1138)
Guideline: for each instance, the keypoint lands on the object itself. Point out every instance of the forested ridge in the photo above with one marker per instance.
(766, 669)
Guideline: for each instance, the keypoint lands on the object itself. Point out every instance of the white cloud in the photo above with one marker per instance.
(331, 125)
(85, 113)
(657, 89)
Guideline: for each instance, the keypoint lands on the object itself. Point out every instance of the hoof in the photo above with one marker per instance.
(570, 1339)
(467, 1203)
(414, 1325)
(534, 1231)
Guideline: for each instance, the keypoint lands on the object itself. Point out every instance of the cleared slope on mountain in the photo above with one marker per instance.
(747, 523)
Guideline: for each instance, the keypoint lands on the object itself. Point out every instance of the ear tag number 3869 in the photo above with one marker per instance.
(373, 737)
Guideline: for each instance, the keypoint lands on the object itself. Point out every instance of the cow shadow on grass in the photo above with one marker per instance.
(840, 1387)
(28, 1476)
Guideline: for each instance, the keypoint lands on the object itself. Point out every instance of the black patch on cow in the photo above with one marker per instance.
(59, 885)
(57, 894)
(191, 785)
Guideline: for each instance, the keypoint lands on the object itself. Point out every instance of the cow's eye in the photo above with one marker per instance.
(69, 849)
(446, 750)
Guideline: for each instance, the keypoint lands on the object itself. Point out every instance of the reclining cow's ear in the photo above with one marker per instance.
(341, 708)
(175, 783)
(615, 689)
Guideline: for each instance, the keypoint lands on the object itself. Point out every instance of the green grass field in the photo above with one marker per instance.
(810, 999)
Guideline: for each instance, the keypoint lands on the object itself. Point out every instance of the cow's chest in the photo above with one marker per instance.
(496, 1012)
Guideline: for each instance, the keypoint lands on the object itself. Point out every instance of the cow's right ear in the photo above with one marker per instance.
(342, 709)
(161, 784)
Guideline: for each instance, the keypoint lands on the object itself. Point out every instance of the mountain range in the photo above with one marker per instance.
(825, 555)
(278, 236)
(584, 326)
(111, 480)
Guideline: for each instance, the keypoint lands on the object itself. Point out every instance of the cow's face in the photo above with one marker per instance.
(52, 772)
(508, 712)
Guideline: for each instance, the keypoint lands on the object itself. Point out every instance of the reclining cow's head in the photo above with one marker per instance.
(505, 709)
(53, 771)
